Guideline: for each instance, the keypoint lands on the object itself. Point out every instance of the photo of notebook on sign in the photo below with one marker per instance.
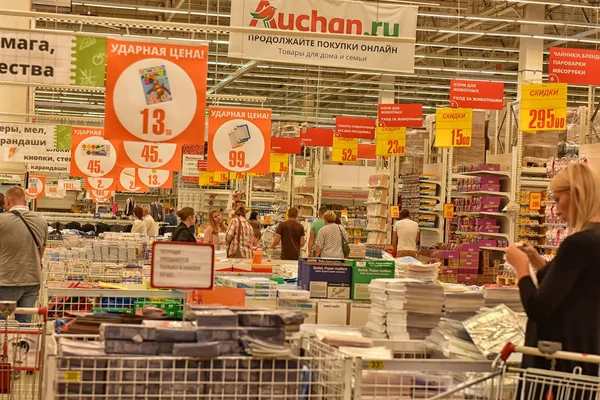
(155, 83)
(239, 135)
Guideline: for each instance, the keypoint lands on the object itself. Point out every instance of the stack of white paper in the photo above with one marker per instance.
(462, 301)
(425, 302)
(451, 339)
(509, 295)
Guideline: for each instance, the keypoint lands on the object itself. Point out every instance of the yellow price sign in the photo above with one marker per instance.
(237, 176)
(453, 127)
(390, 141)
(256, 174)
(543, 107)
(344, 213)
(72, 376)
(448, 210)
(221, 177)
(280, 163)
(535, 201)
(376, 364)
(207, 179)
(344, 150)
(395, 212)
(267, 220)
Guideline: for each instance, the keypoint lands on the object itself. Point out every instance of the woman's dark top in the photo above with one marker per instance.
(566, 307)
(183, 234)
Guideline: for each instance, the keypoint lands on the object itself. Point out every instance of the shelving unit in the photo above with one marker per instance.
(377, 209)
(431, 223)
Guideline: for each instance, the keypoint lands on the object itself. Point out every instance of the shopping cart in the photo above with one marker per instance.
(22, 351)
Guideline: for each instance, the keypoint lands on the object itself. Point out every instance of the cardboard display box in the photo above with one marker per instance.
(325, 279)
(364, 272)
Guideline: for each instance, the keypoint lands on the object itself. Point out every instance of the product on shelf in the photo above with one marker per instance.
(478, 168)
(479, 184)
(377, 209)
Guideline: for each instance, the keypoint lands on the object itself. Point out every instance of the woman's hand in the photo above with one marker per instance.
(536, 261)
(518, 259)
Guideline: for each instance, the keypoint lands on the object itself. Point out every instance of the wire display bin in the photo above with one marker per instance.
(314, 372)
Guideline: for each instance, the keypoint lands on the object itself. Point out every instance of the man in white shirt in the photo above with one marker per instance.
(151, 224)
(406, 236)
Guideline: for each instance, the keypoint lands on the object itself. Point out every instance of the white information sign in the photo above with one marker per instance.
(182, 265)
(334, 17)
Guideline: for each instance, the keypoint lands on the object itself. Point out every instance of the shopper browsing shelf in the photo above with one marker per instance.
(171, 218)
(314, 231)
(290, 234)
(183, 233)
(215, 231)
(138, 224)
(406, 235)
(151, 224)
(565, 308)
(23, 237)
(239, 236)
(330, 238)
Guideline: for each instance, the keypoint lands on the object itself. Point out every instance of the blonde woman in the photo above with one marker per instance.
(330, 237)
(215, 227)
(566, 306)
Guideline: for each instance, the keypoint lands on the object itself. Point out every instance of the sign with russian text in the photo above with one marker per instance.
(453, 127)
(280, 163)
(239, 139)
(366, 151)
(576, 66)
(448, 211)
(543, 107)
(476, 94)
(193, 159)
(355, 128)
(398, 115)
(389, 22)
(91, 154)
(317, 137)
(535, 201)
(344, 150)
(46, 58)
(285, 145)
(390, 141)
(182, 265)
(36, 185)
(69, 184)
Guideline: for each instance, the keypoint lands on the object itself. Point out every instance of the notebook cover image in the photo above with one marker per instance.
(155, 83)
(239, 135)
(97, 150)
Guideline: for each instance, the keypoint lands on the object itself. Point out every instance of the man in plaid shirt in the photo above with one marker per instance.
(239, 236)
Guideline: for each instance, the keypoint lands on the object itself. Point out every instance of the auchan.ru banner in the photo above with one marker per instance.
(332, 17)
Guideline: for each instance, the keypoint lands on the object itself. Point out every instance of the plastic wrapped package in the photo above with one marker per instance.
(491, 329)
(209, 334)
(219, 318)
(176, 335)
(202, 350)
(127, 332)
(230, 348)
(271, 335)
(231, 371)
(270, 319)
(131, 347)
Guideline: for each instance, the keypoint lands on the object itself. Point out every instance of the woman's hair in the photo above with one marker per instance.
(240, 212)
(138, 212)
(583, 189)
(185, 213)
(213, 224)
(330, 217)
(253, 215)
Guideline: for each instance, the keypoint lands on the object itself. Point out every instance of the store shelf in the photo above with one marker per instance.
(547, 247)
(376, 216)
(534, 171)
(501, 174)
(375, 202)
(430, 212)
(532, 225)
(494, 248)
(482, 193)
(304, 194)
(490, 214)
(500, 235)
(438, 230)
(426, 181)
(531, 235)
(138, 293)
(431, 197)
(555, 225)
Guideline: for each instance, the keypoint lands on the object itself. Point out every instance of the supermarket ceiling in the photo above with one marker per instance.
(474, 39)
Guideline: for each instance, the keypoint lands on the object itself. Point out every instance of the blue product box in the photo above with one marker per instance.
(325, 278)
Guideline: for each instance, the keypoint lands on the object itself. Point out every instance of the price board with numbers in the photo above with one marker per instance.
(129, 182)
(448, 210)
(280, 163)
(535, 201)
(207, 179)
(237, 176)
(36, 185)
(344, 150)
(453, 127)
(155, 178)
(390, 141)
(395, 212)
(543, 107)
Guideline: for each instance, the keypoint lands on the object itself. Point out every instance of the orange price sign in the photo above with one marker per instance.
(448, 210)
(453, 127)
(543, 107)
(535, 201)
(344, 150)
(280, 163)
(395, 212)
(390, 141)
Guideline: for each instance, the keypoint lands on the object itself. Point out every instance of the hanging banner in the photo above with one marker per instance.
(344, 150)
(150, 155)
(576, 66)
(239, 139)
(129, 182)
(280, 163)
(101, 196)
(390, 141)
(543, 107)
(36, 184)
(38, 145)
(53, 191)
(453, 127)
(69, 184)
(155, 178)
(193, 158)
(476, 94)
(316, 137)
(155, 92)
(355, 128)
(100, 184)
(399, 115)
(47, 58)
(92, 155)
(359, 19)
(285, 145)
(366, 151)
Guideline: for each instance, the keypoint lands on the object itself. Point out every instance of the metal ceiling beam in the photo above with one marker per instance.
(249, 66)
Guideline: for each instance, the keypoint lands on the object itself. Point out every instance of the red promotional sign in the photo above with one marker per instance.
(355, 128)
(285, 145)
(366, 151)
(400, 115)
(574, 66)
(317, 137)
(476, 94)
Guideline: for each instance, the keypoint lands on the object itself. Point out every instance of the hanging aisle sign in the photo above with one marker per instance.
(398, 115)
(543, 107)
(476, 94)
(239, 139)
(193, 159)
(355, 128)
(280, 163)
(100, 184)
(317, 137)
(36, 185)
(285, 145)
(47, 58)
(129, 182)
(453, 127)
(390, 141)
(576, 66)
(333, 17)
(344, 150)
